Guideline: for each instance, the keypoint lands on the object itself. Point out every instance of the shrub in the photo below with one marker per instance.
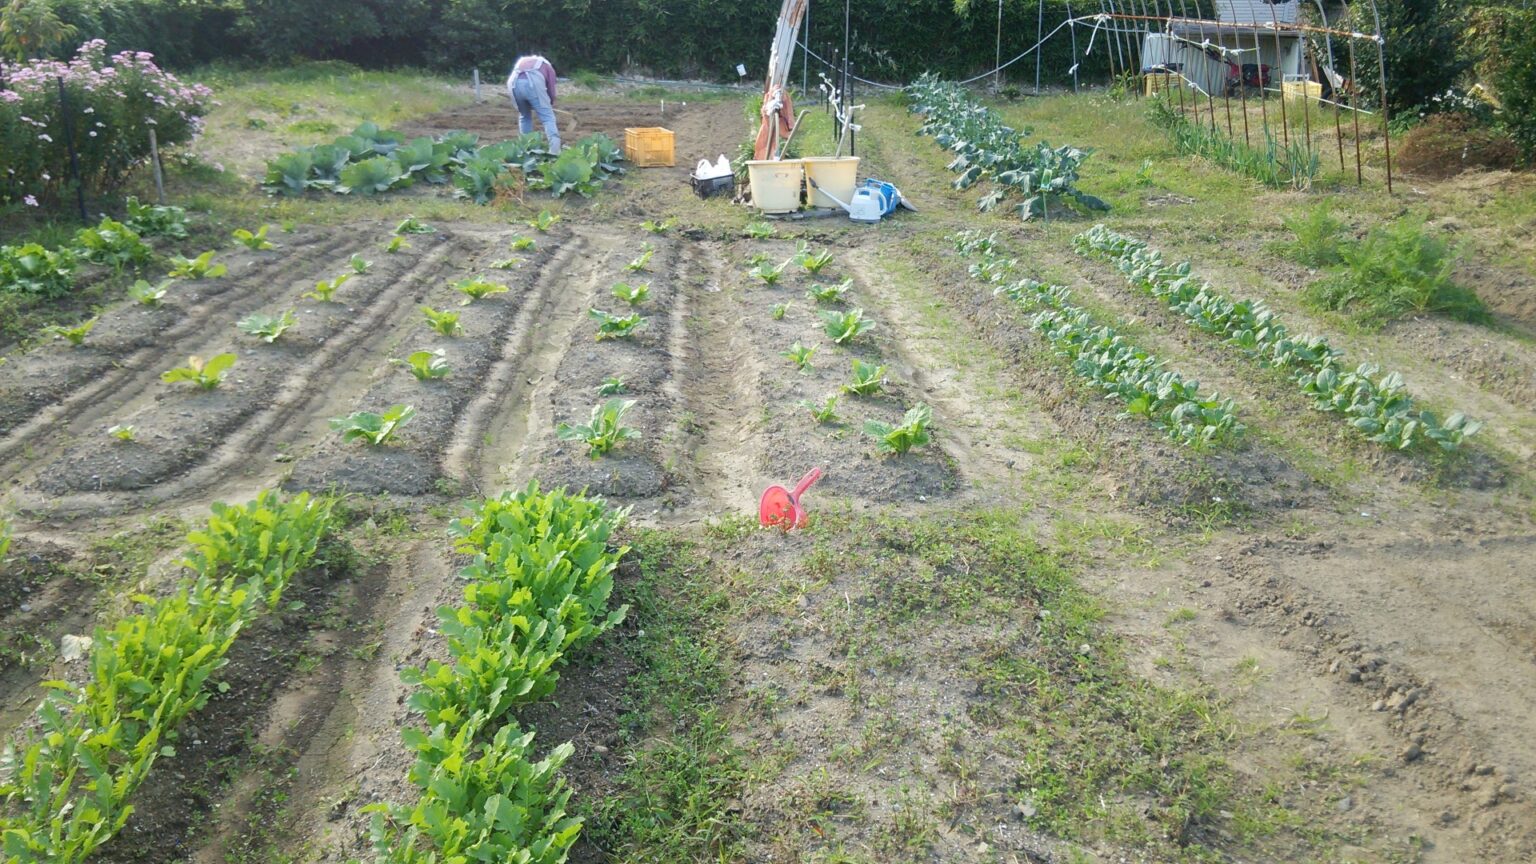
(1515, 81)
(113, 102)
(1423, 52)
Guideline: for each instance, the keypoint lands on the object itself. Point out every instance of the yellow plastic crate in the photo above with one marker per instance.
(1157, 82)
(649, 147)
(1295, 91)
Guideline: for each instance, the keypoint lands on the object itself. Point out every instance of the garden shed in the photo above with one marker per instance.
(1246, 33)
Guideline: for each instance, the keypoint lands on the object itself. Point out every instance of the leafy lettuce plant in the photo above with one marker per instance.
(426, 365)
(112, 244)
(868, 379)
(145, 294)
(659, 227)
(396, 244)
(769, 274)
(635, 294)
(360, 265)
(611, 326)
(814, 263)
(150, 220)
(844, 327)
(201, 267)
(800, 355)
(207, 374)
(256, 241)
(31, 269)
(641, 262)
(604, 431)
(325, 290)
(374, 429)
(521, 243)
(268, 328)
(822, 412)
(125, 432)
(612, 386)
(911, 432)
(444, 322)
(372, 176)
(829, 294)
(478, 289)
(73, 335)
(412, 225)
(543, 222)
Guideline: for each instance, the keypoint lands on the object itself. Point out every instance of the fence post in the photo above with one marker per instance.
(69, 144)
(477, 85)
(154, 161)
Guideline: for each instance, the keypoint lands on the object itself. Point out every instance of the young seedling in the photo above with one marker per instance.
(267, 327)
(123, 431)
(543, 222)
(659, 227)
(426, 365)
(635, 294)
(844, 327)
(822, 412)
(73, 335)
(444, 322)
(257, 242)
(800, 355)
(396, 244)
(605, 431)
(779, 310)
(612, 386)
(829, 294)
(868, 379)
(374, 429)
(523, 244)
(897, 440)
(814, 264)
(758, 230)
(325, 291)
(359, 264)
(507, 264)
(206, 374)
(757, 258)
(478, 289)
(201, 267)
(769, 273)
(611, 326)
(412, 225)
(146, 294)
(642, 262)
(290, 225)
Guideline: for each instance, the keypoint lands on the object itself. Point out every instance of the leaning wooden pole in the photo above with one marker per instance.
(778, 113)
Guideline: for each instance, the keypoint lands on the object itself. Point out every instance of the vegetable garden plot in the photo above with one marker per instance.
(806, 399)
(462, 336)
(133, 337)
(194, 434)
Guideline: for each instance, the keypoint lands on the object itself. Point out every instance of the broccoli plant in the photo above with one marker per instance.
(605, 430)
(425, 365)
(610, 326)
(844, 327)
(444, 322)
(375, 430)
(822, 412)
(256, 241)
(359, 264)
(146, 294)
(868, 379)
(201, 267)
(478, 289)
(635, 294)
(800, 355)
(829, 294)
(206, 374)
(543, 222)
(912, 432)
(73, 335)
(325, 291)
(126, 432)
(643, 261)
(268, 328)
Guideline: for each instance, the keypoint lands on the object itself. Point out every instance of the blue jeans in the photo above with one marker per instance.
(530, 95)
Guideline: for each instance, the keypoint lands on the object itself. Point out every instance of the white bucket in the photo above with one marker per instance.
(776, 184)
(837, 176)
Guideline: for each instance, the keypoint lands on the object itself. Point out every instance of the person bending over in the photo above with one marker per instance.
(532, 88)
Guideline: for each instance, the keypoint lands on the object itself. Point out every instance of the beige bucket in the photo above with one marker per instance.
(837, 176)
(776, 184)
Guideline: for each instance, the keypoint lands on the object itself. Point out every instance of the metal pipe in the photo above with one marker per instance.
(1072, 28)
(1359, 164)
(1381, 61)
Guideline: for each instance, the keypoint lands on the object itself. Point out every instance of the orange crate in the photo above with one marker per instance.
(649, 147)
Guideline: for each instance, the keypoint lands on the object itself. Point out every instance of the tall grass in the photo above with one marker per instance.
(1397, 269)
(1277, 166)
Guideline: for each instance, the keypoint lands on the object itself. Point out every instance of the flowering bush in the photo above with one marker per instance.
(112, 101)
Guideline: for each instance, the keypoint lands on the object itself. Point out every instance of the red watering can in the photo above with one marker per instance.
(780, 507)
